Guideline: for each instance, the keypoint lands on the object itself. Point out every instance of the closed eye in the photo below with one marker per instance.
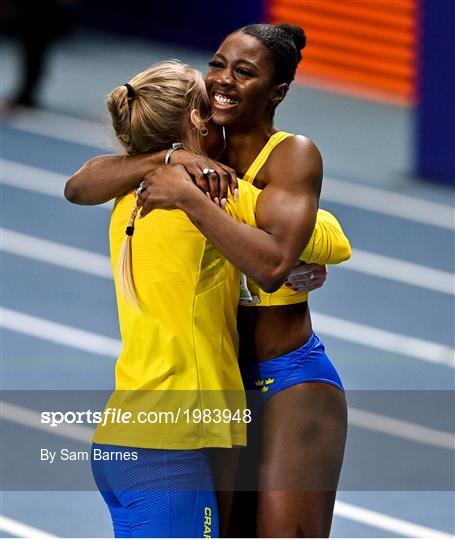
(215, 64)
(244, 72)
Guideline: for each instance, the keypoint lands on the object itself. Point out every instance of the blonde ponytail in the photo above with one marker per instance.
(125, 262)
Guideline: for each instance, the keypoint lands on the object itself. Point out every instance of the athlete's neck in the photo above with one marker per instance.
(213, 142)
(243, 147)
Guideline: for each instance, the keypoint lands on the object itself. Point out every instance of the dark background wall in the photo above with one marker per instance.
(201, 23)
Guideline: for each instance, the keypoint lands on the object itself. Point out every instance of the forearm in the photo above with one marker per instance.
(106, 177)
(253, 251)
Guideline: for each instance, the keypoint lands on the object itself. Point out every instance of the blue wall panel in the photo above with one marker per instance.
(436, 109)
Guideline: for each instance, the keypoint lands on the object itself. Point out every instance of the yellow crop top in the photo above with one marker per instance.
(327, 245)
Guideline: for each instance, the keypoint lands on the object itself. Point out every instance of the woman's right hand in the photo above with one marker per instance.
(216, 184)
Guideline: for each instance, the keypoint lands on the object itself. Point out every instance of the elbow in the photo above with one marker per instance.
(77, 193)
(271, 287)
(272, 279)
(71, 192)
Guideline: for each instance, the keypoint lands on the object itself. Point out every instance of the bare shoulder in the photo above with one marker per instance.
(296, 160)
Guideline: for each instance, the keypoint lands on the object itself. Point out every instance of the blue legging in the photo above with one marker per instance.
(162, 493)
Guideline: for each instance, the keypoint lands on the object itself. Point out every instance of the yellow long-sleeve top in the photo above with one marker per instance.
(327, 245)
(179, 351)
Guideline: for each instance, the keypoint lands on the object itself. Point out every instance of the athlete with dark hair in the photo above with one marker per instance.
(305, 411)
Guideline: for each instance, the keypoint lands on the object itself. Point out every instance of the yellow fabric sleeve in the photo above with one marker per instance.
(328, 243)
(244, 209)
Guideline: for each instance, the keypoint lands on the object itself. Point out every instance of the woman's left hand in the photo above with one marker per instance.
(164, 188)
(306, 277)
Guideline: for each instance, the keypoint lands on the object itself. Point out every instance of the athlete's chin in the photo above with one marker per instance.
(223, 118)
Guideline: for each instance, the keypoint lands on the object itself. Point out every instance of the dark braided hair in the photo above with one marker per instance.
(284, 41)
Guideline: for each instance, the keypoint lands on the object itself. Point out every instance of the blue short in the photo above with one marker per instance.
(160, 494)
(309, 363)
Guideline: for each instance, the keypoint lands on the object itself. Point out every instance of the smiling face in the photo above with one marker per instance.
(240, 82)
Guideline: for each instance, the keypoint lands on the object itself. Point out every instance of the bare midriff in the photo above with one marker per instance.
(269, 332)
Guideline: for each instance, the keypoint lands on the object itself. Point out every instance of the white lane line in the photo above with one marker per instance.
(59, 333)
(32, 178)
(30, 418)
(401, 271)
(400, 527)
(49, 252)
(35, 179)
(49, 183)
(390, 204)
(400, 428)
(384, 340)
(330, 326)
(21, 530)
(66, 128)
(357, 417)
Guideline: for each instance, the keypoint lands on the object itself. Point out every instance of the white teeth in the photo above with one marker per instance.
(223, 100)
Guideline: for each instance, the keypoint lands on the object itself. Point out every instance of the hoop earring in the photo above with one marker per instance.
(204, 131)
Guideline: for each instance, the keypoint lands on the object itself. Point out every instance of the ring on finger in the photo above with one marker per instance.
(207, 171)
(141, 188)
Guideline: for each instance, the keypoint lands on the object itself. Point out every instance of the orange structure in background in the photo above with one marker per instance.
(366, 48)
